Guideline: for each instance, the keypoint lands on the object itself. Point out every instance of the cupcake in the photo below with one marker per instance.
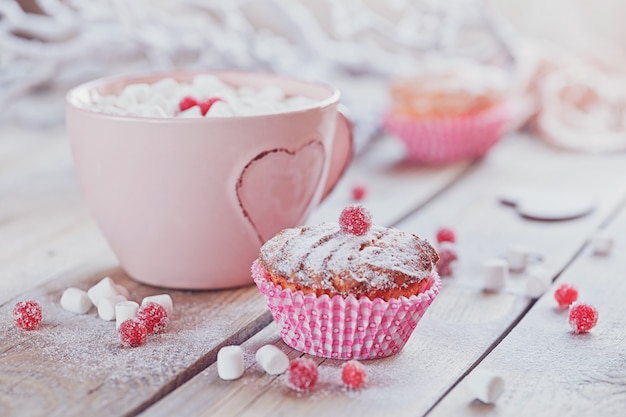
(347, 290)
(448, 113)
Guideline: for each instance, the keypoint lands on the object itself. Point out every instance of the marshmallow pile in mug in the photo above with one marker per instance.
(205, 96)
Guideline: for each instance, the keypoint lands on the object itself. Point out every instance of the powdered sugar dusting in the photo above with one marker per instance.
(315, 255)
(77, 356)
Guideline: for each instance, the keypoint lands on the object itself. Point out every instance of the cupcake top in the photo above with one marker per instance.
(331, 258)
(449, 89)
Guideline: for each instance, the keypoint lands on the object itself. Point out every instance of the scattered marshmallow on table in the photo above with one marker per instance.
(230, 362)
(106, 307)
(517, 256)
(495, 274)
(106, 287)
(164, 299)
(76, 301)
(487, 386)
(538, 281)
(272, 360)
(601, 243)
(125, 310)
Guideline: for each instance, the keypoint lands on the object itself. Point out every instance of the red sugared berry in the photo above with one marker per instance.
(582, 317)
(353, 374)
(302, 374)
(205, 105)
(27, 315)
(187, 103)
(132, 333)
(447, 257)
(153, 316)
(445, 235)
(565, 295)
(358, 192)
(355, 219)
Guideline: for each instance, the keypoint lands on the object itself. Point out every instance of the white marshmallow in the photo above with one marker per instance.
(272, 360)
(246, 91)
(106, 307)
(138, 93)
(125, 103)
(112, 109)
(487, 386)
(164, 299)
(76, 301)
(205, 85)
(495, 274)
(161, 102)
(193, 112)
(270, 93)
(221, 109)
(166, 87)
(517, 256)
(149, 111)
(105, 288)
(125, 310)
(601, 244)
(230, 362)
(256, 109)
(537, 282)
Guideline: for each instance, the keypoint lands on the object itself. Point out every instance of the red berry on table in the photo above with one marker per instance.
(582, 317)
(353, 374)
(153, 316)
(205, 105)
(27, 315)
(565, 295)
(187, 103)
(355, 219)
(132, 333)
(445, 235)
(445, 270)
(358, 192)
(447, 257)
(302, 374)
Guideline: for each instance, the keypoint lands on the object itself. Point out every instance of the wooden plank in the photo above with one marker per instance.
(74, 364)
(403, 385)
(549, 370)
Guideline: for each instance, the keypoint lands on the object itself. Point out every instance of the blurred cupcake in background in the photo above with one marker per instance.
(449, 111)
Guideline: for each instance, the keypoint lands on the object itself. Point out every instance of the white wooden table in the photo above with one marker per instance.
(73, 365)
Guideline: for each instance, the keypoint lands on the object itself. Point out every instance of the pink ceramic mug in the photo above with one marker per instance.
(187, 202)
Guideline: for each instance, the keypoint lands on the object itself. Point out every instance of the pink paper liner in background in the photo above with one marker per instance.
(453, 139)
(344, 328)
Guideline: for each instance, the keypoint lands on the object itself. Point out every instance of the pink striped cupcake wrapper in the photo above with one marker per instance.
(344, 328)
(444, 140)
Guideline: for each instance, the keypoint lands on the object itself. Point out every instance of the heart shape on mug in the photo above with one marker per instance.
(276, 187)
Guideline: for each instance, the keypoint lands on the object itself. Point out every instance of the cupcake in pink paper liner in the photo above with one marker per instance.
(347, 290)
(450, 113)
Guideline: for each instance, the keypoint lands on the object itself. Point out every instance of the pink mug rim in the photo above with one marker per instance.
(85, 88)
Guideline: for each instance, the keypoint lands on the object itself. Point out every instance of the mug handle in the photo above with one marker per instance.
(342, 151)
